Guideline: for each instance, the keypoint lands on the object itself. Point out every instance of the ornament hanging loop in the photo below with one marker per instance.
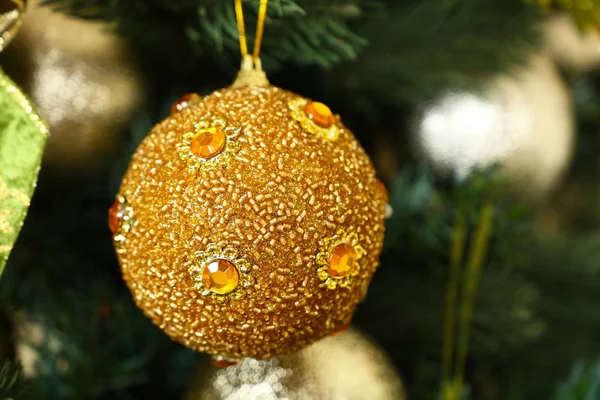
(251, 72)
(11, 21)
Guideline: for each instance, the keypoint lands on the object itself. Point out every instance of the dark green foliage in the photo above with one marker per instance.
(94, 342)
(405, 303)
(309, 32)
(583, 383)
(12, 383)
(408, 50)
(419, 48)
(536, 294)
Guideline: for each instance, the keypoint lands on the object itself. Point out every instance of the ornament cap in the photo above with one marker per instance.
(251, 74)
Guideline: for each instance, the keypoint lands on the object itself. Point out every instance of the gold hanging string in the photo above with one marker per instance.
(239, 15)
(251, 73)
(477, 258)
(260, 27)
(453, 368)
(10, 22)
(451, 301)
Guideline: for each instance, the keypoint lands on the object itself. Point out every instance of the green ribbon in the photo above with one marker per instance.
(23, 135)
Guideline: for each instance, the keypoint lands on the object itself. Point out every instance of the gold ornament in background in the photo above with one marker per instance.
(522, 120)
(11, 19)
(82, 79)
(571, 48)
(585, 13)
(230, 259)
(343, 367)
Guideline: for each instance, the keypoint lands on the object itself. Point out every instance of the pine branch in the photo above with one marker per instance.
(302, 32)
(583, 383)
(421, 48)
(416, 255)
(12, 384)
(96, 343)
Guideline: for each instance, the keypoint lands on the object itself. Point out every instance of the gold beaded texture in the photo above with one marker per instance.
(274, 201)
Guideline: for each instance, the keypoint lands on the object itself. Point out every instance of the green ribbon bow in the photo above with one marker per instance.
(22, 138)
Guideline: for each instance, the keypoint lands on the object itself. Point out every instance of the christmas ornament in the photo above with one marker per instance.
(250, 221)
(572, 49)
(522, 121)
(345, 367)
(11, 19)
(585, 13)
(83, 80)
(22, 138)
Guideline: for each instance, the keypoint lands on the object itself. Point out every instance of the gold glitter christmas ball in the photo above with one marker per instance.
(345, 367)
(249, 223)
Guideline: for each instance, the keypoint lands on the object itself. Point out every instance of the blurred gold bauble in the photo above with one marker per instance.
(83, 81)
(522, 121)
(249, 223)
(584, 13)
(575, 50)
(343, 367)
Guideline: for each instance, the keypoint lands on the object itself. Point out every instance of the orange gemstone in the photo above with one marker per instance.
(342, 260)
(383, 191)
(319, 113)
(220, 276)
(115, 213)
(184, 102)
(208, 143)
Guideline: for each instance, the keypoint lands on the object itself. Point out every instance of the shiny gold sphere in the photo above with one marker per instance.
(345, 367)
(84, 81)
(248, 224)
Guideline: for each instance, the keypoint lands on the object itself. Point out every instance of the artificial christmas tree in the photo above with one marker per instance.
(480, 292)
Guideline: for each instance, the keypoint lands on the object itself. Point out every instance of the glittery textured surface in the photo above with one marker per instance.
(344, 367)
(275, 201)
